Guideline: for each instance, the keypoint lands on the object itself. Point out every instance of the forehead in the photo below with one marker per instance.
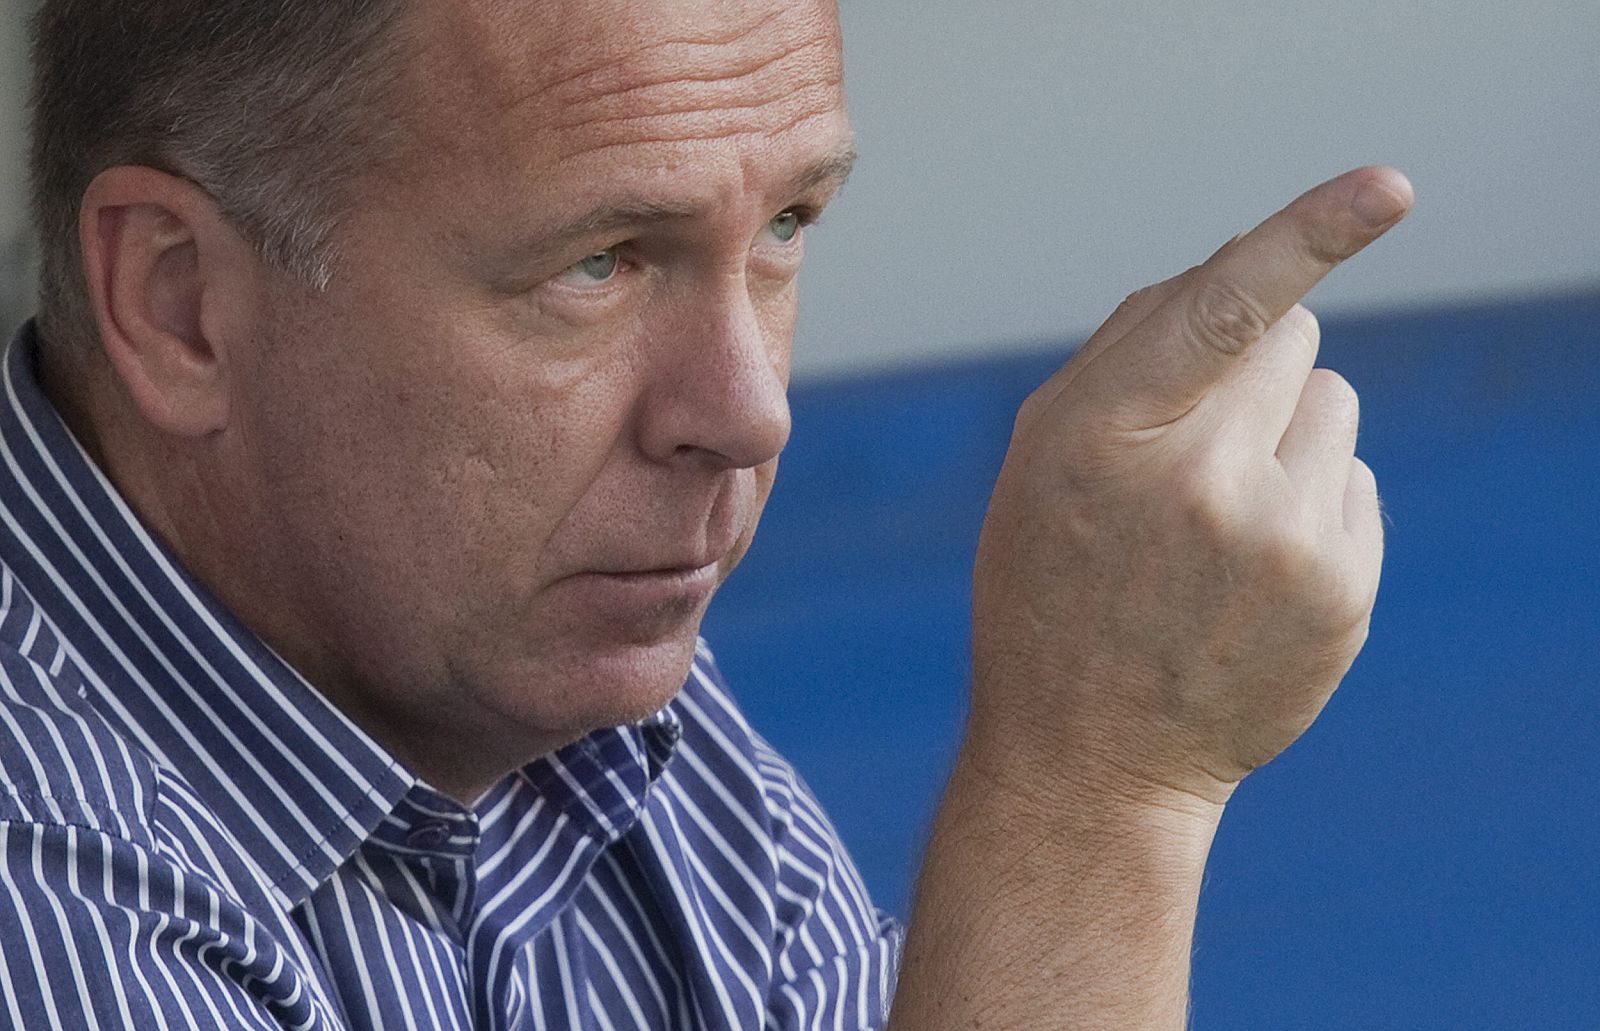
(619, 87)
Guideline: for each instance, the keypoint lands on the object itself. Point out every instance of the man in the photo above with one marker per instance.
(408, 375)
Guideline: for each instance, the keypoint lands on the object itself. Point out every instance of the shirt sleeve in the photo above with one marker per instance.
(838, 955)
(97, 931)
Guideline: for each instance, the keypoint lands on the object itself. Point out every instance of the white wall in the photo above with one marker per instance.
(1028, 162)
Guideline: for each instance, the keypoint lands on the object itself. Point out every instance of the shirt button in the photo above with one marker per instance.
(428, 835)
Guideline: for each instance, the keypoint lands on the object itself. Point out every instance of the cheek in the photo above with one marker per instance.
(518, 474)
(507, 470)
(779, 314)
(434, 460)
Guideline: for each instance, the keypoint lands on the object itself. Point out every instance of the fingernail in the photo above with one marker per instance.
(1376, 205)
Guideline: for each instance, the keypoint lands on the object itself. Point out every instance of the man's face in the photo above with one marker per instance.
(501, 465)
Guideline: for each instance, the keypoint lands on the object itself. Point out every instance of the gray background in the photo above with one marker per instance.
(1027, 163)
(15, 267)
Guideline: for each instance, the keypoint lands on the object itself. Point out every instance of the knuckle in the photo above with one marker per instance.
(1315, 576)
(1362, 478)
(1207, 500)
(1303, 322)
(1226, 318)
(1294, 555)
(1347, 604)
(1327, 247)
(1334, 396)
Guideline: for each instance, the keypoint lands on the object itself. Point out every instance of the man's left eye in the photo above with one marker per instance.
(595, 269)
(786, 226)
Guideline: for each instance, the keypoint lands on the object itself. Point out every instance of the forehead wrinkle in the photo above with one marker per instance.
(569, 78)
(615, 69)
(722, 131)
(684, 73)
(769, 98)
(794, 90)
(603, 66)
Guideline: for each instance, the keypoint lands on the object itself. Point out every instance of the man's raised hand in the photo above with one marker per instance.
(1177, 568)
(1182, 552)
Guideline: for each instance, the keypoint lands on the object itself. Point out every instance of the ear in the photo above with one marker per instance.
(171, 283)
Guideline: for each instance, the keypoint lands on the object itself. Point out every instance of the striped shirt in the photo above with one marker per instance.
(191, 836)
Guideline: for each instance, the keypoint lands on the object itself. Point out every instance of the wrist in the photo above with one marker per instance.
(1049, 776)
(1053, 895)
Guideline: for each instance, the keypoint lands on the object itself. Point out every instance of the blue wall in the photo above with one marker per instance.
(1426, 857)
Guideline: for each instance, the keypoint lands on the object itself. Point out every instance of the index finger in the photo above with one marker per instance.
(1197, 335)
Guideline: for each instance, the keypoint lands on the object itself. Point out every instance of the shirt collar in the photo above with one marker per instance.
(287, 774)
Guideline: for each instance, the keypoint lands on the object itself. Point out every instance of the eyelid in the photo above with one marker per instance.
(565, 280)
(807, 214)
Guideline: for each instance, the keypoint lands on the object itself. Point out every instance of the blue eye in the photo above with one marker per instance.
(596, 268)
(786, 226)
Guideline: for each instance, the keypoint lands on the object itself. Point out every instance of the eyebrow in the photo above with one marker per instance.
(831, 170)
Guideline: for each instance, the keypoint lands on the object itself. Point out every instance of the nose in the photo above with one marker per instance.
(718, 395)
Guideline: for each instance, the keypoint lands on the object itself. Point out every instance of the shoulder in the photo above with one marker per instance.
(61, 763)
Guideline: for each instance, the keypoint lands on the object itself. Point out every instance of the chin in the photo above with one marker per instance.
(617, 681)
(596, 653)
(647, 676)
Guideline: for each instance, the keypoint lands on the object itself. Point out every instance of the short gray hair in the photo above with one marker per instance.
(271, 106)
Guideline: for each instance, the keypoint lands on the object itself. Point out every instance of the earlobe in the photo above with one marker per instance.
(163, 271)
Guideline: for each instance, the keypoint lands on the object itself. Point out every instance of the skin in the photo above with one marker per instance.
(482, 504)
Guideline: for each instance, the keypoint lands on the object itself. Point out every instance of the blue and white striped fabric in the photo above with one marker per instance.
(192, 837)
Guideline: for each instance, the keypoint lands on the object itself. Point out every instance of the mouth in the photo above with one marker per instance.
(643, 604)
(687, 576)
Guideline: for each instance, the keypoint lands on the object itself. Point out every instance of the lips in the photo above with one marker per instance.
(638, 605)
(664, 568)
(688, 568)
(685, 577)
(713, 546)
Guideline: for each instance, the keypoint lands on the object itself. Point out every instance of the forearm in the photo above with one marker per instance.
(1049, 905)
